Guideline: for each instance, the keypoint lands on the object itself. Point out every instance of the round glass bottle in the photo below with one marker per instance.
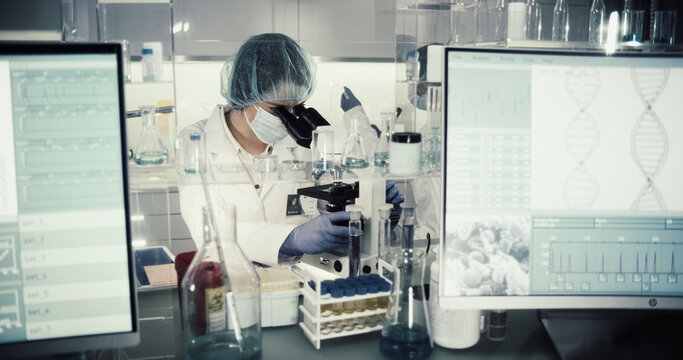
(221, 295)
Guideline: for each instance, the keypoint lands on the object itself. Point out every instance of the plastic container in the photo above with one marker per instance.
(151, 61)
(405, 154)
(279, 297)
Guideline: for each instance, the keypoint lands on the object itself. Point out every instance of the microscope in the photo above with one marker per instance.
(370, 194)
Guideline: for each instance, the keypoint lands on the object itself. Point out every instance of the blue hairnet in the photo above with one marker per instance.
(267, 67)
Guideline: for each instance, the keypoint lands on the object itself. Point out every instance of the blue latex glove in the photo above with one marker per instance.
(348, 100)
(323, 232)
(394, 196)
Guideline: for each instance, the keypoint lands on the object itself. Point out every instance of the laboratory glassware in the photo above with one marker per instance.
(408, 224)
(355, 155)
(221, 294)
(433, 144)
(265, 163)
(192, 153)
(500, 28)
(632, 25)
(561, 21)
(151, 61)
(125, 56)
(323, 150)
(355, 234)
(381, 157)
(534, 22)
(664, 27)
(384, 232)
(150, 150)
(406, 332)
(481, 15)
(597, 23)
(516, 21)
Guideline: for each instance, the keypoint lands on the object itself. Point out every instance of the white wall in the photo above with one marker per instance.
(198, 90)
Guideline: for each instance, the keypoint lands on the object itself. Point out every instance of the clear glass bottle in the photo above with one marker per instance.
(433, 144)
(355, 234)
(150, 149)
(597, 30)
(501, 23)
(534, 21)
(193, 153)
(221, 294)
(384, 232)
(481, 15)
(408, 224)
(406, 333)
(381, 157)
(355, 155)
(561, 21)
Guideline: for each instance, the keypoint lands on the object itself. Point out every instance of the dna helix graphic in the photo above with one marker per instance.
(649, 139)
(581, 138)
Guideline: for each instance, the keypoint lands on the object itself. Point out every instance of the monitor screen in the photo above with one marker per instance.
(66, 283)
(562, 180)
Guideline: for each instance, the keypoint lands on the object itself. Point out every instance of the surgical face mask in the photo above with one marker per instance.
(267, 127)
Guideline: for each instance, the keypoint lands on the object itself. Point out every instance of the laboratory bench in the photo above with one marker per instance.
(162, 338)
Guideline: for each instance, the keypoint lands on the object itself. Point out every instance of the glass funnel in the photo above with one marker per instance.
(355, 155)
(221, 295)
(150, 149)
(406, 333)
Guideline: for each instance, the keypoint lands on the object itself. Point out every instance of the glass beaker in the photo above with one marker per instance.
(150, 149)
(406, 332)
(323, 149)
(221, 294)
(381, 157)
(191, 154)
(355, 156)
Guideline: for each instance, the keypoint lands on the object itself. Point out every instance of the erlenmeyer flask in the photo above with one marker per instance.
(221, 295)
(381, 157)
(150, 150)
(406, 333)
(355, 156)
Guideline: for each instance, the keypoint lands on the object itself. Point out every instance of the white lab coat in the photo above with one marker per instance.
(262, 224)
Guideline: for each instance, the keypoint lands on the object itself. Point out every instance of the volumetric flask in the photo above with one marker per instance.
(323, 149)
(221, 295)
(150, 149)
(406, 332)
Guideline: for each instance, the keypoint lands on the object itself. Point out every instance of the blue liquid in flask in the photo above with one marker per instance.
(401, 342)
(223, 346)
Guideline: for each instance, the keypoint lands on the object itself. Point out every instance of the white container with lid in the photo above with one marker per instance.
(453, 329)
(405, 153)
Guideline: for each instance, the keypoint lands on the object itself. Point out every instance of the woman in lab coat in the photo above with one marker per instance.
(268, 70)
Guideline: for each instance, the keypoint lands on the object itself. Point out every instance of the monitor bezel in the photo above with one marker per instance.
(512, 302)
(82, 343)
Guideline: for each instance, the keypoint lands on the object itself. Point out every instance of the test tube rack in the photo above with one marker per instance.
(319, 324)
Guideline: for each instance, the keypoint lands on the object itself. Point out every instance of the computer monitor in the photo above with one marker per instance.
(66, 279)
(562, 176)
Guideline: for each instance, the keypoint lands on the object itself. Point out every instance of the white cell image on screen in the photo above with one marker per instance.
(488, 255)
(610, 145)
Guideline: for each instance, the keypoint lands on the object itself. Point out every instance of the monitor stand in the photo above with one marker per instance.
(614, 334)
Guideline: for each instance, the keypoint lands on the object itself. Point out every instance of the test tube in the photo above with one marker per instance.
(408, 223)
(355, 234)
(349, 304)
(325, 291)
(371, 303)
(337, 293)
(384, 236)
